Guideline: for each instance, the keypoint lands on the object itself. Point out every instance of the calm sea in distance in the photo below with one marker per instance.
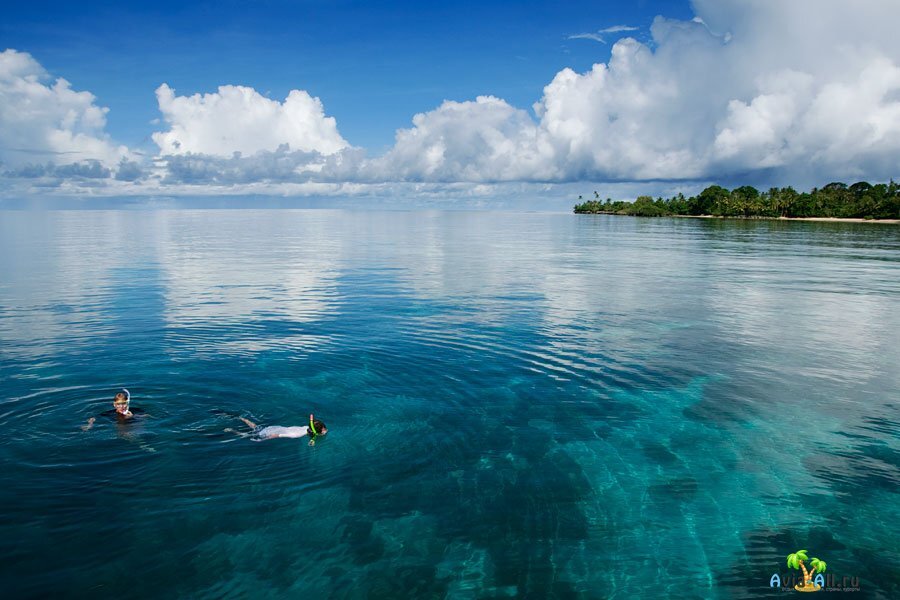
(519, 405)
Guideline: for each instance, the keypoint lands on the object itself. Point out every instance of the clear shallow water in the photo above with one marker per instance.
(520, 405)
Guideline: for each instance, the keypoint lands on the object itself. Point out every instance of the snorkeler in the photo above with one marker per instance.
(313, 430)
(121, 411)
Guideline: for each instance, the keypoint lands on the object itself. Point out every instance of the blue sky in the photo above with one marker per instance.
(464, 100)
(373, 64)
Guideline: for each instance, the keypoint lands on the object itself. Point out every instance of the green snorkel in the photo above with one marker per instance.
(313, 434)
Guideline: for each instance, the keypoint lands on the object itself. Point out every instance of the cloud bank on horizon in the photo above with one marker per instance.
(768, 92)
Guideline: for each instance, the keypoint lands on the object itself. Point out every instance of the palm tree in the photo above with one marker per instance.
(817, 566)
(796, 560)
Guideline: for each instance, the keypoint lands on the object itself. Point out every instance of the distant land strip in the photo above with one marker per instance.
(861, 202)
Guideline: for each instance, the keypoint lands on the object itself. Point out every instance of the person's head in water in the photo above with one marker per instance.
(320, 428)
(120, 403)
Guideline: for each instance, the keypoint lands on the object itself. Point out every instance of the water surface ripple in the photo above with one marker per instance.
(520, 405)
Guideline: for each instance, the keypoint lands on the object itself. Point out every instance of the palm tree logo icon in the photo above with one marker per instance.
(797, 560)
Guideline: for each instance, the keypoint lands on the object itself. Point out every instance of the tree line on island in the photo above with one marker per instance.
(861, 200)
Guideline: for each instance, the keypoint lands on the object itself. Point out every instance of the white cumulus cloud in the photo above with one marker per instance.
(766, 92)
(799, 91)
(484, 140)
(239, 119)
(46, 122)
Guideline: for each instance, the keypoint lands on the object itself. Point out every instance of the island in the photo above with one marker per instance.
(860, 201)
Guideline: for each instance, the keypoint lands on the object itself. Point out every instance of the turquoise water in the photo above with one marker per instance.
(519, 405)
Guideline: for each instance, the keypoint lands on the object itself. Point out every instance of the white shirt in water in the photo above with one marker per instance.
(277, 431)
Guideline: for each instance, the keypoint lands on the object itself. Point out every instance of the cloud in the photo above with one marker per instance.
(484, 140)
(587, 36)
(47, 122)
(129, 170)
(283, 165)
(598, 36)
(619, 28)
(803, 91)
(768, 92)
(88, 169)
(239, 119)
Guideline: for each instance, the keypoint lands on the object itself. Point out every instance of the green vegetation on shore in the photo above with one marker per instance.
(836, 200)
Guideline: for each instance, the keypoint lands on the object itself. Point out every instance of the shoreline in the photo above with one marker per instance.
(814, 219)
(818, 219)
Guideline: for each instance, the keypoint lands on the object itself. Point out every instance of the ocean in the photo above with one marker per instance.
(519, 405)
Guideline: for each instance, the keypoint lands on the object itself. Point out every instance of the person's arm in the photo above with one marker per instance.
(90, 423)
(237, 433)
(248, 422)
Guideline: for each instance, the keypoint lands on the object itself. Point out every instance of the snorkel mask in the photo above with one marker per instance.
(127, 411)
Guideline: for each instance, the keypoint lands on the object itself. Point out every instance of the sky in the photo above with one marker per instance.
(483, 101)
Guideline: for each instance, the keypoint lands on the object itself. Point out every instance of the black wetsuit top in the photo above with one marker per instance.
(112, 415)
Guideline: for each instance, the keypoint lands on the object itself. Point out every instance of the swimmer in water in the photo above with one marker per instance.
(121, 411)
(313, 430)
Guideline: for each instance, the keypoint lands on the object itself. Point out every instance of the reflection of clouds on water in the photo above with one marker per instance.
(610, 274)
(488, 270)
(456, 257)
(704, 463)
(783, 307)
(247, 285)
(520, 404)
(59, 276)
(580, 292)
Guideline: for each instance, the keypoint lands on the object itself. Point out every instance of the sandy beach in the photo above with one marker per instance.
(821, 219)
(836, 220)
